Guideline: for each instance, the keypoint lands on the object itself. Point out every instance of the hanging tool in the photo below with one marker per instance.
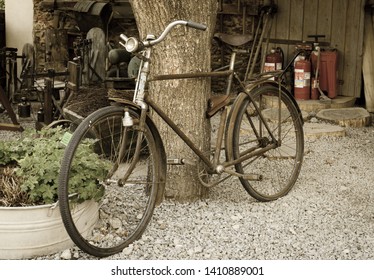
(315, 86)
(266, 15)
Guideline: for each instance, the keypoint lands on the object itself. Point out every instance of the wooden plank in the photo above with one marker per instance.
(350, 49)
(368, 62)
(359, 49)
(310, 18)
(338, 30)
(296, 24)
(324, 19)
(296, 20)
(282, 24)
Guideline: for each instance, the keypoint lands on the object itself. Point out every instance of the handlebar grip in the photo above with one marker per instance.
(196, 25)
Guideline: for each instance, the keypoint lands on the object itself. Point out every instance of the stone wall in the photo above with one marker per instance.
(55, 46)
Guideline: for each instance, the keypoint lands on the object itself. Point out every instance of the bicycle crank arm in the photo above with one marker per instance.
(249, 177)
(180, 161)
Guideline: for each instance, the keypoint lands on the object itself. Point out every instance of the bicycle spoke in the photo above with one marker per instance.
(279, 166)
(129, 187)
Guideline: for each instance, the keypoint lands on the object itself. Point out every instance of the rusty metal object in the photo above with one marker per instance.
(191, 75)
(91, 14)
(88, 14)
(234, 40)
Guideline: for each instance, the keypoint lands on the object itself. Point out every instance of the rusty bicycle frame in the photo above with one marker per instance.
(143, 99)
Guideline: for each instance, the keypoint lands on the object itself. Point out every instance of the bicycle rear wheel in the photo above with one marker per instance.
(276, 170)
(124, 192)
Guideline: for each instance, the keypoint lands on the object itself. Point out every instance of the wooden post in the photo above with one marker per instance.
(368, 61)
(48, 107)
(3, 126)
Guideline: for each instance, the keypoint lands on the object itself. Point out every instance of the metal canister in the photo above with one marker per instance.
(40, 115)
(302, 79)
(24, 108)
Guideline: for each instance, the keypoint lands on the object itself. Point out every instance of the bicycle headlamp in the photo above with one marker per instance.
(132, 44)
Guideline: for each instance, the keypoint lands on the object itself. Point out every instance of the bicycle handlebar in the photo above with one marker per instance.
(196, 25)
(133, 45)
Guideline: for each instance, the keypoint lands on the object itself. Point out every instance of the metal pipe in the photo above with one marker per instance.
(190, 75)
(180, 133)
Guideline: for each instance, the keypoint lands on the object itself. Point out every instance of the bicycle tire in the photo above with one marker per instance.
(278, 168)
(113, 228)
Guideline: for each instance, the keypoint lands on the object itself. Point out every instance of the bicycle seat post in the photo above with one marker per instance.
(231, 68)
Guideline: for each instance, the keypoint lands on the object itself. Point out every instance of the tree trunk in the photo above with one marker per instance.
(185, 101)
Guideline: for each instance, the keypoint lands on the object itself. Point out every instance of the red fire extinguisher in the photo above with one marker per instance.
(273, 60)
(302, 79)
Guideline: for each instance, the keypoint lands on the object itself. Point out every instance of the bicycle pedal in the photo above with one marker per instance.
(174, 161)
(252, 177)
(180, 161)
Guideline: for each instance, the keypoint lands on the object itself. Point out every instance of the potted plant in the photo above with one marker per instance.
(30, 222)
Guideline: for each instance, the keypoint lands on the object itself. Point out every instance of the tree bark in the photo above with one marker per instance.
(184, 50)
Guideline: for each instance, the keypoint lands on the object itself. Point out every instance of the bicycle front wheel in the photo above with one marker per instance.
(272, 174)
(116, 168)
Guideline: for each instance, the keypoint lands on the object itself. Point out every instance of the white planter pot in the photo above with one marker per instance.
(28, 232)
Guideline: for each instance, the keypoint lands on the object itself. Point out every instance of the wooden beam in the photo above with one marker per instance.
(56, 4)
(368, 62)
(4, 100)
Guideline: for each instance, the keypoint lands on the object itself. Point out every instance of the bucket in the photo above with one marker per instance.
(32, 231)
(24, 108)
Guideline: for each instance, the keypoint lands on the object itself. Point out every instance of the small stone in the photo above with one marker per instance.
(236, 217)
(190, 252)
(177, 242)
(198, 249)
(163, 226)
(66, 255)
(329, 161)
(236, 227)
(115, 223)
(128, 250)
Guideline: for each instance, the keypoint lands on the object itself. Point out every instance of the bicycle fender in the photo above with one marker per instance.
(123, 101)
(160, 145)
(161, 149)
(251, 87)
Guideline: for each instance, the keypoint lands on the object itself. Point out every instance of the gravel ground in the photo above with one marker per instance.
(328, 215)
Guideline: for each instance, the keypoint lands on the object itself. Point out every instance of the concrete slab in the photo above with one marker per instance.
(317, 105)
(349, 117)
(317, 130)
(272, 114)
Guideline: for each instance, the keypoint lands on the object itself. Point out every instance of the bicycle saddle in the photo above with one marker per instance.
(233, 40)
(217, 102)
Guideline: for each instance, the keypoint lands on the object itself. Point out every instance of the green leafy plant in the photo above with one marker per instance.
(2, 4)
(36, 160)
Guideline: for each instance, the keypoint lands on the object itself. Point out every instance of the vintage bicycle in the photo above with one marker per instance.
(260, 132)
